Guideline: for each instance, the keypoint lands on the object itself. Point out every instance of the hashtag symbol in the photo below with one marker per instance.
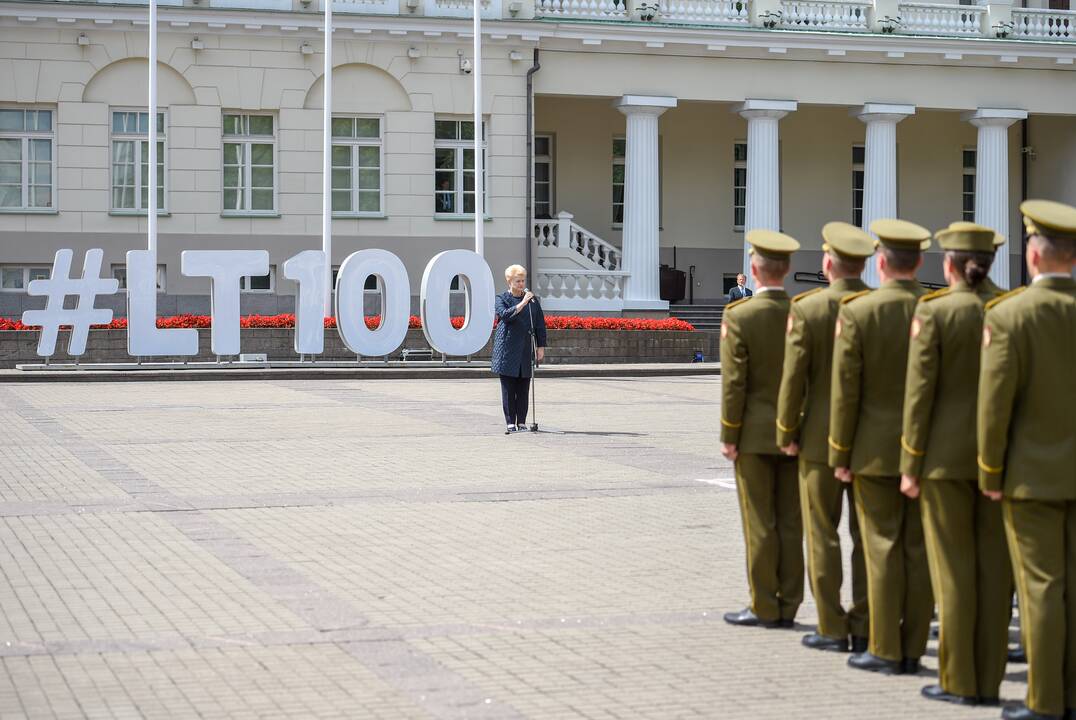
(56, 288)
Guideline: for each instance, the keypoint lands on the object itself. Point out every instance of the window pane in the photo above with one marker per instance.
(233, 200)
(368, 128)
(341, 201)
(261, 154)
(233, 154)
(12, 119)
(41, 151)
(739, 152)
(120, 273)
(160, 122)
(44, 120)
(541, 193)
(618, 173)
(618, 194)
(231, 177)
(343, 127)
(969, 159)
(10, 196)
(341, 179)
(467, 130)
(261, 125)
(143, 122)
(619, 147)
(858, 154)
(969, 183)
(444, 158)
(370, 179)
(468, 181)
(468, 203)
(259, 282)
(341, 156)
(261, 199)
(233, 124)
(369, 201)
(261, 177)
(11, 150)
(12, 278)
(541, 146)
(10, 172)
(445, 129)
(857, 178)
(369, 157)
(618, 213)
(541, 172)
(445, 181)
(445, 202)
(468, 159)
(969, 203)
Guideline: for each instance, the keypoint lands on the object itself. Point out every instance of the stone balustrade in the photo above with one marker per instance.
(581, 290)
(824, 15)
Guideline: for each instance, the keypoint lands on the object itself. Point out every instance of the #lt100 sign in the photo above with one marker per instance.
(225, 268)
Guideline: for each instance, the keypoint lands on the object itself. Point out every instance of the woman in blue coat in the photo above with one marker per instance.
(520, 314)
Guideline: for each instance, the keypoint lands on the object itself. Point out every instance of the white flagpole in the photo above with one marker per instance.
(479, 165)
(326, 167)
(152, 119)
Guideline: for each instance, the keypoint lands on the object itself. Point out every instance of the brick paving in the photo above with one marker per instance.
(379, 549)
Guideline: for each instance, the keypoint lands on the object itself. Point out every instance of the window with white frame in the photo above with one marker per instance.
(16, 278)
(967, 197)
(543, 176)
(453, 176)
(357, 166)
(858, 160)
(27, 160)
(130, 162)
(619, 153)
(739, 185)
(119, 271)
(249, 170)
(259, 283)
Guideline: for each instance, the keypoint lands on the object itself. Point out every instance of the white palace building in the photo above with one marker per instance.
(620, 134)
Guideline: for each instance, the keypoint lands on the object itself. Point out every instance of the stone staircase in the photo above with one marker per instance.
(703, 317)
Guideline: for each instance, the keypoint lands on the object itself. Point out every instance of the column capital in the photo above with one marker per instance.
(644, 104)
(882, 112)
(994, 117)
(777, 109)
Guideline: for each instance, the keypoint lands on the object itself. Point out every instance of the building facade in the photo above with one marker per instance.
(658, 133)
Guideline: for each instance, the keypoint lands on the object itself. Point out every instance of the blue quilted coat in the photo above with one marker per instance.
(512, 341)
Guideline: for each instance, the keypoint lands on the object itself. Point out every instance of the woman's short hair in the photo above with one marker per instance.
(512, 270)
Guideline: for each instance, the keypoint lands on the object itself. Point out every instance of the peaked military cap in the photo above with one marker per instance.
(901, 234)
(966, 236)
(847, 240)
(999, 239)
(772, 244)
(1046, 217)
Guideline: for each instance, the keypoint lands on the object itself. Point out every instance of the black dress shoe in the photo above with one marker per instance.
(821, 642)
(909, 666)
(860, 644)
(1017, 655)
(747, 618)
(873, 663)
(935, 692)
(1022, 712)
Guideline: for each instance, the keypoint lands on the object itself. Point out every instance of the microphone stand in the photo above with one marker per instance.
(534, 368)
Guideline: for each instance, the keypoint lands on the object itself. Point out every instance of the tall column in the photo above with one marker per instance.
(880, 167)
(763, 208)
(992, 179)
(642, 201)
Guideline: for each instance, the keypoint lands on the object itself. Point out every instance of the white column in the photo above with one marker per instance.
(880, 167)
(642, 200)
(763, 208)
(992, 179)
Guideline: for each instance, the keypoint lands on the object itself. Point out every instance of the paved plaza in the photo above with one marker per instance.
(380, 549)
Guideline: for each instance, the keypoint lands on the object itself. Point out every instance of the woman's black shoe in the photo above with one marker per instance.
(935, 692)
(511, 429)
(873, 663)
(815, 641)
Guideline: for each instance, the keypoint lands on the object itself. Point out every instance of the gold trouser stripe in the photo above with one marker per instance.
(987, 468)
(728, 424)
(904, 444)
(781, 426)
(837, 446)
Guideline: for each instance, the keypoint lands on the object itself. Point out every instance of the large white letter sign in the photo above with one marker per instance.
(56, 287)
(224, 268)
(143, 335)
(395, 302)
(436, 284)
(308, 270)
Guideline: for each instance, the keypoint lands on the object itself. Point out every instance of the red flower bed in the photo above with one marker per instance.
(287, 320)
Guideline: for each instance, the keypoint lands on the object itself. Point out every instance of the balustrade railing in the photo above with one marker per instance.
(491, 9)
(706, 12)
(1044, 24)
(581, 289)
(822, 15)
(932, 19)
(576, 242)
(591, 9)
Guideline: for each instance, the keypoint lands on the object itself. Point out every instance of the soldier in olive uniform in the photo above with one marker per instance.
(989, 287)
(1027, 452)
(802, 423)
(870, 357)
(964, 533)
(752, 350)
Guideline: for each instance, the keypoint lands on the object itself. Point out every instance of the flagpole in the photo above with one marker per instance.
(326, 167)
(151, 167)
(479, 165)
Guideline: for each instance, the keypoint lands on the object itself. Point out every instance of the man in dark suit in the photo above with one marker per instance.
(740, 290)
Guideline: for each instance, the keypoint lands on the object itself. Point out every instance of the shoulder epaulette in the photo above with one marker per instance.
(934, 295)
(1006, 296)
(849, 298)
(807, 294)
(734, 303)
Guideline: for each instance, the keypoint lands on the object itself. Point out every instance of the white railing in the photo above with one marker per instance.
(600, 9)
(706, 12)
(1044, 24)
(931, 19)
(491, 9)
(819, 14)
(574, 241)
(581, 290)
(365, 7)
